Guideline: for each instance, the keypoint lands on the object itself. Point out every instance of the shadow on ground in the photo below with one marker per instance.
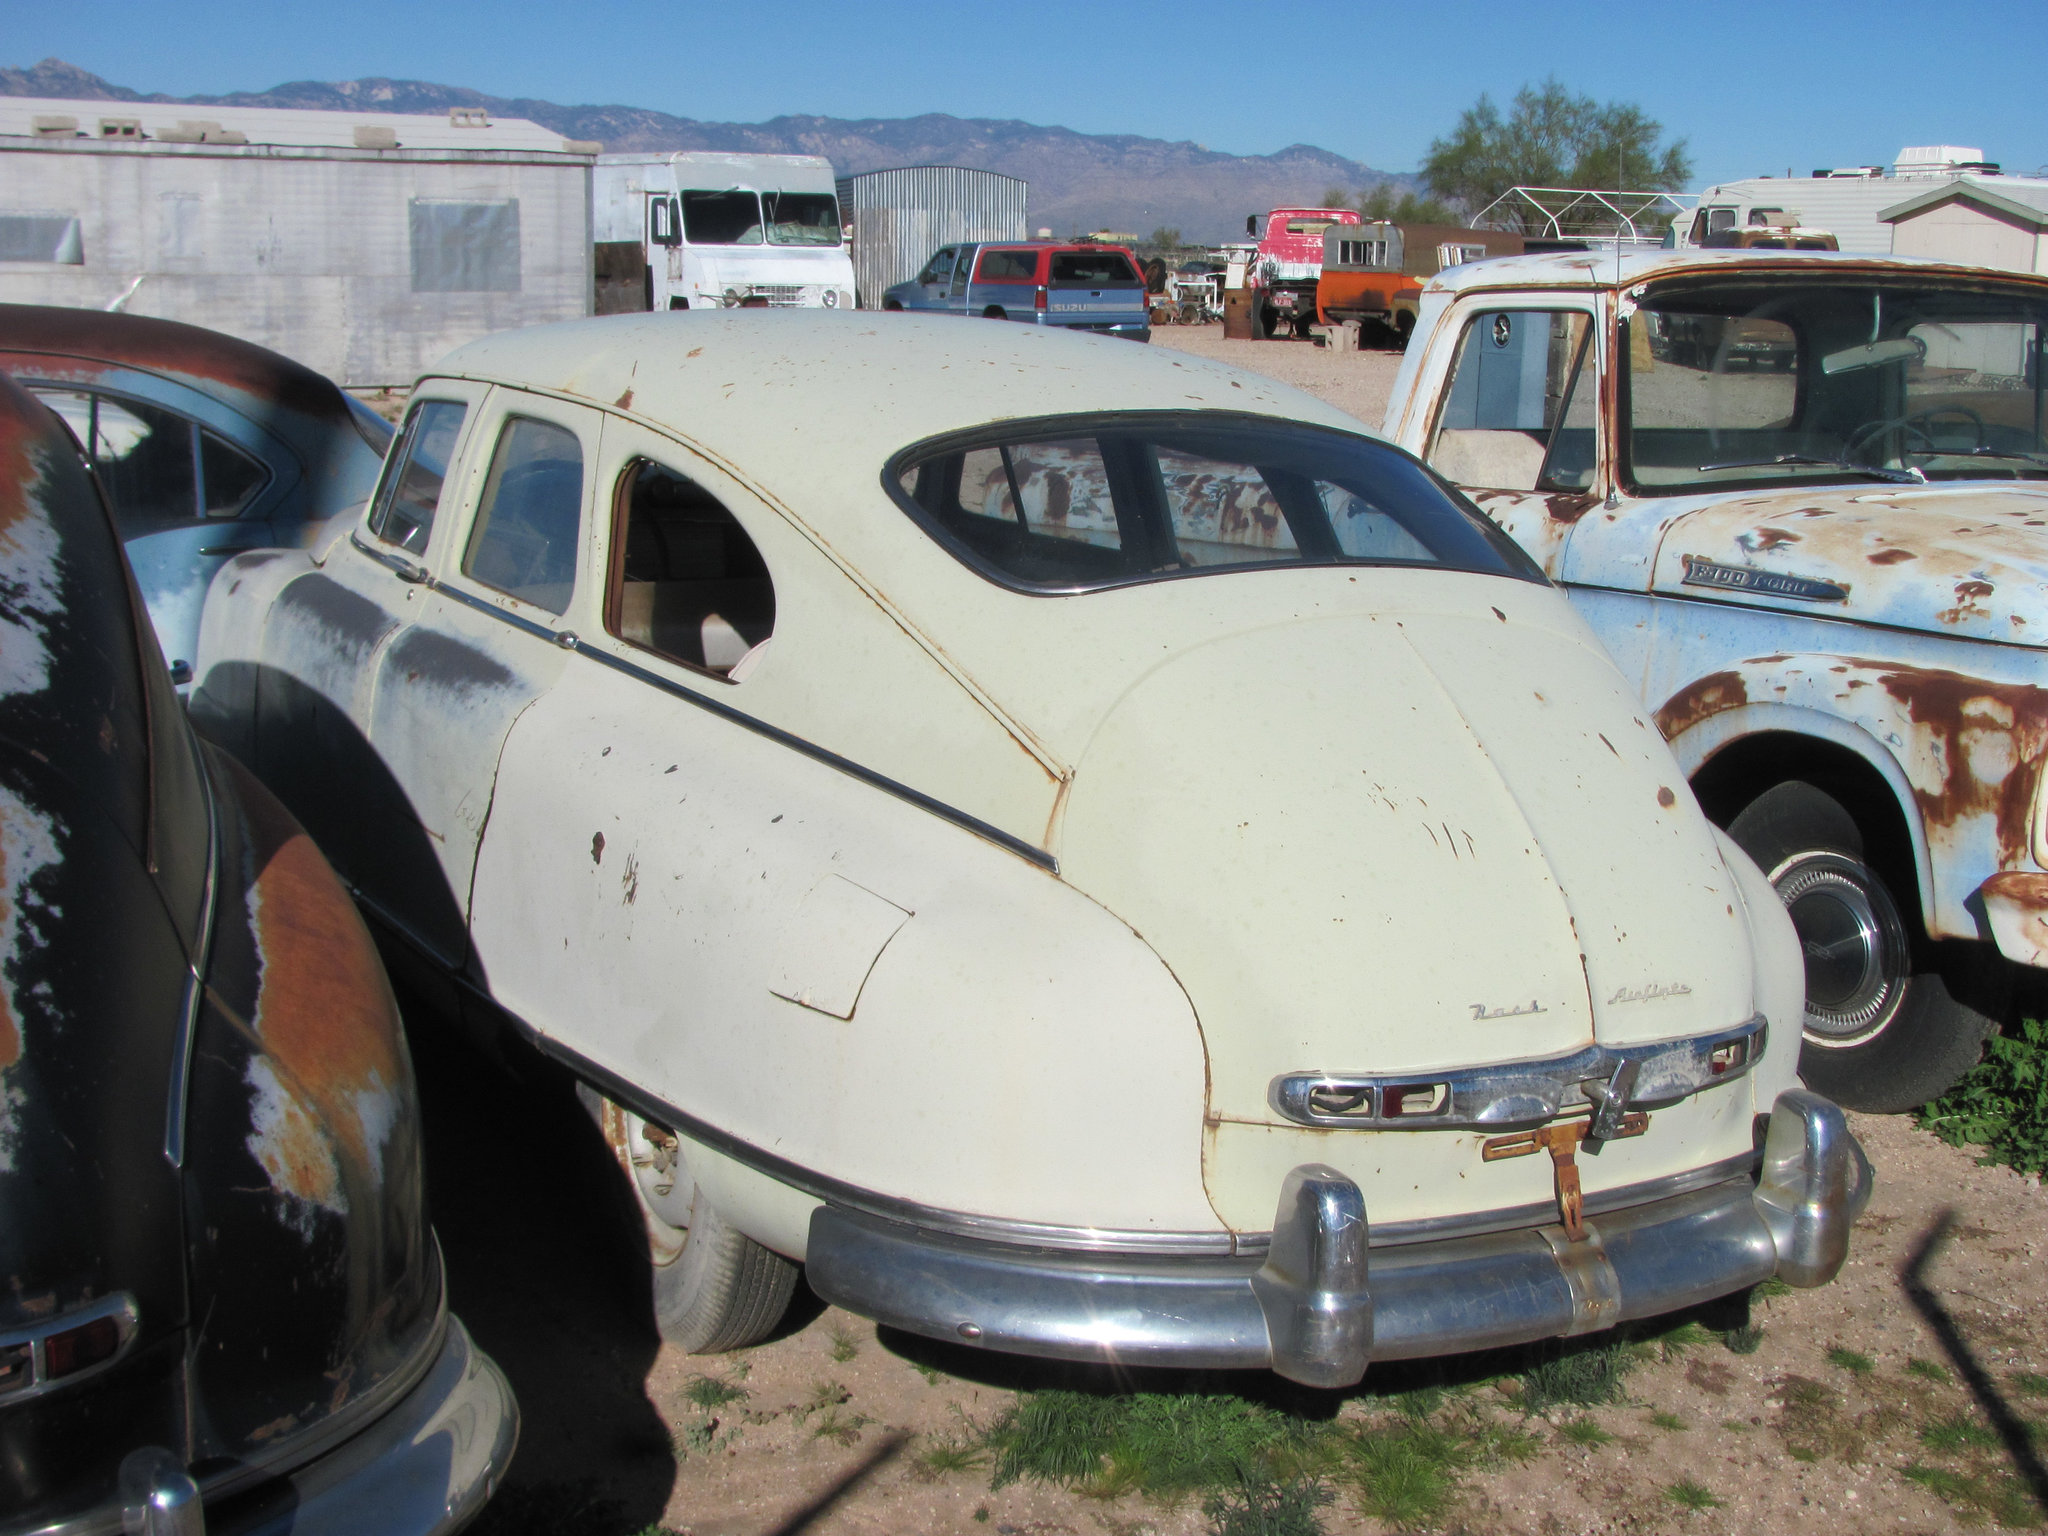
(543, 1268)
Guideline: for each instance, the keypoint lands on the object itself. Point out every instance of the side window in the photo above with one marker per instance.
(159, 468)
(939, 268)
(411, 492)
(1008, 266)
(1041, 511)
(962, 271)
(687, 582)
(1505, 419)
(662, 228)
(524, 541)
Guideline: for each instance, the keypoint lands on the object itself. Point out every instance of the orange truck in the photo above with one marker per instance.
(1372, 273)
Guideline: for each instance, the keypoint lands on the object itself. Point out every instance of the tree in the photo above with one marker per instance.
(1380, 203)
(1164, 238)
(1552, 139)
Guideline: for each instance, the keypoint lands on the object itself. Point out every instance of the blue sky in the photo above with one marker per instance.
(1754, 87)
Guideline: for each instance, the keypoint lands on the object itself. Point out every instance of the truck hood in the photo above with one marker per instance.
(1972, 554)
(1370, 843)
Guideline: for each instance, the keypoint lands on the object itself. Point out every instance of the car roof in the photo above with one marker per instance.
(810, 404)
(1606, 269)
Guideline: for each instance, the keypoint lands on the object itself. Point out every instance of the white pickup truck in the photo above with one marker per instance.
(1803, 500)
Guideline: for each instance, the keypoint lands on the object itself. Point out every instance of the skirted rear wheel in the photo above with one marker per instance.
(1883, 1029)
(715, 1288)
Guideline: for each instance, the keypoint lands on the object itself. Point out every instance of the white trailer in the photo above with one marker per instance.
(699, 229)
(1844, 202)
(363, 245)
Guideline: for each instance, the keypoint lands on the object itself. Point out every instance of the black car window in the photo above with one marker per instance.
(411, 492)
(524, 541)
(687, 582)
(1077, 504)
(1094, 269)
(1001, 266)
(722, 218)
(160, 469)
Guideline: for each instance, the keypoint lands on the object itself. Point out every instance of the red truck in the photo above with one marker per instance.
(1288, 263)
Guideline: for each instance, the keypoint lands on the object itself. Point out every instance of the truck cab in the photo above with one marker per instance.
(1288, 263)
(1803, 500)
(1373, 272)
(700, 230)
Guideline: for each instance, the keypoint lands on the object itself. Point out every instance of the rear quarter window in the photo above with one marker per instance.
(1008, 267)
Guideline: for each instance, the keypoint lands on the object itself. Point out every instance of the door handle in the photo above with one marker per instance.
(418, 575)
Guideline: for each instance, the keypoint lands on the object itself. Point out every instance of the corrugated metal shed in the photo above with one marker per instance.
(900, 217)
(364, 263)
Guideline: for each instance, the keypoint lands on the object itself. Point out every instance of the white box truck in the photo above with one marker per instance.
(696, 229)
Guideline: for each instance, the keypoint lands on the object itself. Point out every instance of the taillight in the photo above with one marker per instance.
(1039, 302)
(46, 1354)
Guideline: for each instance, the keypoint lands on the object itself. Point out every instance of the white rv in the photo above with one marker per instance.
(704, 230)
(1845, 202)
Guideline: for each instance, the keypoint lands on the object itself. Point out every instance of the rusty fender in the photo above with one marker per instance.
(1966, 751)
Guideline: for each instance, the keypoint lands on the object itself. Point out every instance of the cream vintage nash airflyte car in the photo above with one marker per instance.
(1086, 850)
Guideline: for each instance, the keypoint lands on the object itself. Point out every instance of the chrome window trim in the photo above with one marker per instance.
(195, 978)
(420, 576)
(1509, 1094)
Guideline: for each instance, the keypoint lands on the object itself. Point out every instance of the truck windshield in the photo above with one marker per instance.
(802, 218)
(1769, 378)
(722, 218)
(1094, 501)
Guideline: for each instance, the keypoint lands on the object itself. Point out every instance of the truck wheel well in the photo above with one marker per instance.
(1742, 770)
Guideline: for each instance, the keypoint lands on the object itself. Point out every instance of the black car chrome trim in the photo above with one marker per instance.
(569, 642)
(1514, 1093)
(195, 980)
(127, 1321)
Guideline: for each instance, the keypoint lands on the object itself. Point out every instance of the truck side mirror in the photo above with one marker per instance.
(663, 227)
(1251, 224)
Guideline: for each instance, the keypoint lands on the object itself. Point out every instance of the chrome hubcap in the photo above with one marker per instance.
(1854, 944)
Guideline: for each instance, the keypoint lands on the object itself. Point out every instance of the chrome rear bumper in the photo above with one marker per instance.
(1323, 1304)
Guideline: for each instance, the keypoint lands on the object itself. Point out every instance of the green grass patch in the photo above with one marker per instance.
(1262, 1507)
(2001, 1104)
(1958, 1432)
(1769, 1290)
(1685, 1336)
(1743, 1340)
(1584, 1432)
(711, 1392)
(1145, 1442)
(1927, 1370)
(1688, 1494)
(1670, 1421)
(844, 1346)
(1997, 1495)
(939, 1455)
(1851, 1361)
(2029, 1383)
(1584, 1378)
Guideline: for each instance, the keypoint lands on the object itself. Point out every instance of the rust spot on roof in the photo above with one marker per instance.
(1891, 556)
(1664, 796)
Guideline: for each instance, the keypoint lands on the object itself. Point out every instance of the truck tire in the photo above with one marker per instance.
(993, 313)
(1883, 1031)
(714, 1288)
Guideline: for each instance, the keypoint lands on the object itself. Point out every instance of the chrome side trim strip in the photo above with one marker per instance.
(1509, 1094)
(195, 979)
(407, 571)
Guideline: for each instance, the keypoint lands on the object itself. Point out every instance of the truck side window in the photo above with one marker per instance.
(1505, 424)
(962, 272)
(687, 582)
(524, 541)
(411, 492)
(939, 268)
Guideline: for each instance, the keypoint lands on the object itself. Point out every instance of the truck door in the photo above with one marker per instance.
(1518, 424)
(665, 252)
(931, 282)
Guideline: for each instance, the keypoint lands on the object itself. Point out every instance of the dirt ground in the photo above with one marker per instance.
(831, 1427)
(1357, 382)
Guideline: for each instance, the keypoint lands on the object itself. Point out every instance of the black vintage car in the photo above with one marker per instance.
(221, 1305)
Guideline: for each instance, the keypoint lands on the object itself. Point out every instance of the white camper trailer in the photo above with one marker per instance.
(699, 229)
(1846, 202)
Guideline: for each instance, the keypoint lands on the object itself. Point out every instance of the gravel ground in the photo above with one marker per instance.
(1357, 382)
(831, 1424)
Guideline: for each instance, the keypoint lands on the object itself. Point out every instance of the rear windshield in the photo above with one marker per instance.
(1094, 269)
(1009, 266)
(1082, 502)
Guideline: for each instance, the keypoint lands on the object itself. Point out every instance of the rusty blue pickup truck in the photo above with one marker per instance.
(1803, 500)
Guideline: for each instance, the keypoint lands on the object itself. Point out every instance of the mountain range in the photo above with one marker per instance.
(1078, 181)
